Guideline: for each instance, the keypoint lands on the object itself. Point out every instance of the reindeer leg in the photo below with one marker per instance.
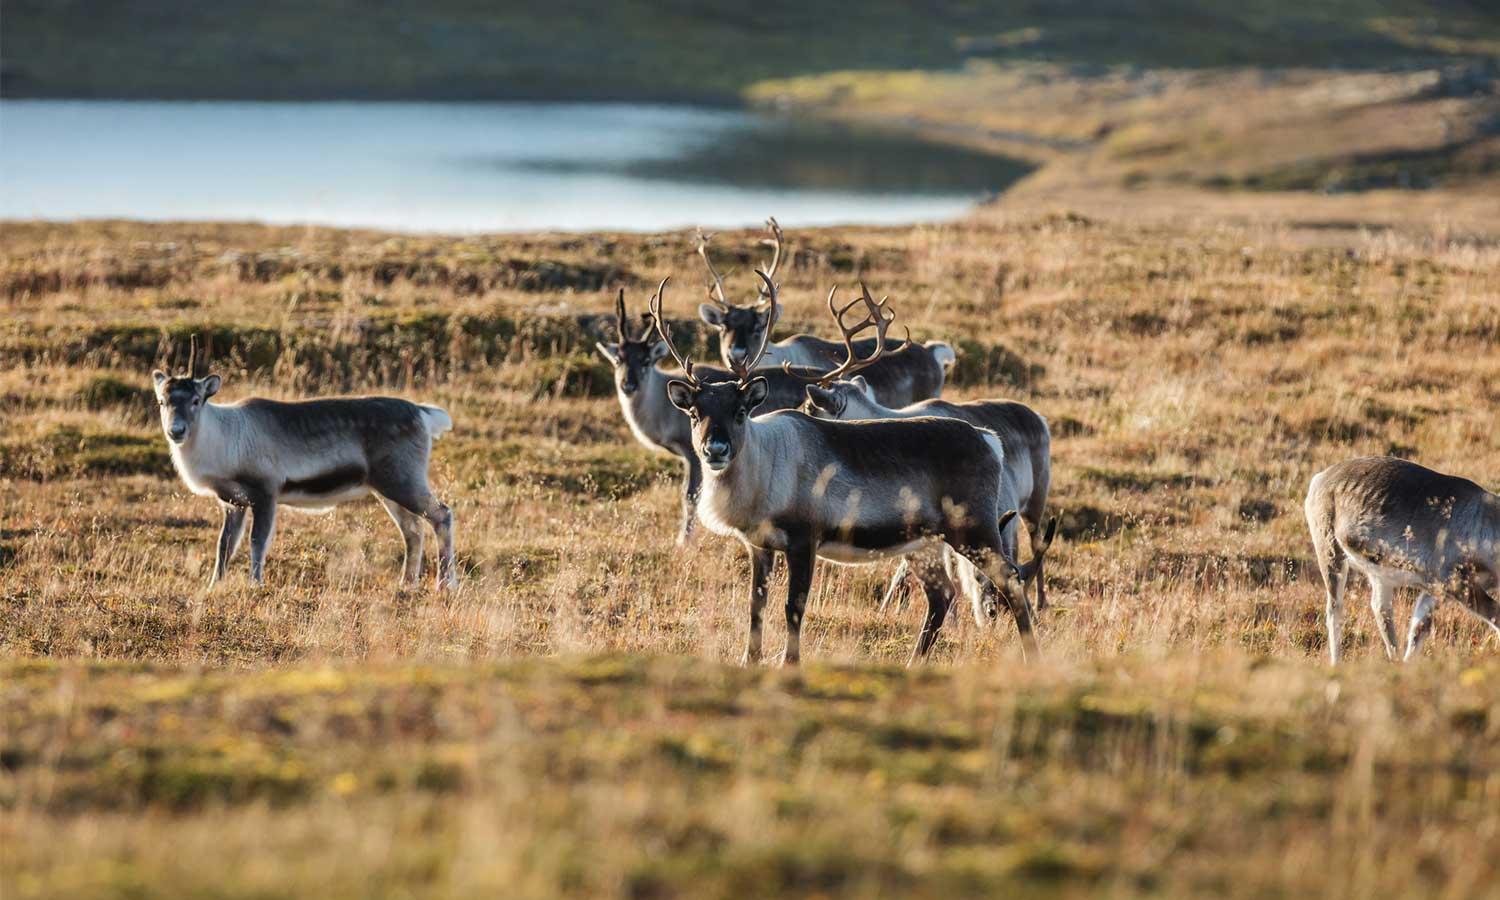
(692, 482)
(230, 533)
(939, 592)
(440, 516)
(262, 528)
(410, 525)
(800, 556)
(1421, 625)
(900, 588)
(1035, 515)
(761, 562)
(1333, 564)
(1381, 595)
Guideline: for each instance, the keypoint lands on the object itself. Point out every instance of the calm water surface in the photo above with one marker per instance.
(471, 167)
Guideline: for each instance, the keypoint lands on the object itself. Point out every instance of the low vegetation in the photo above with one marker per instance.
(639, 777)
(570, 721)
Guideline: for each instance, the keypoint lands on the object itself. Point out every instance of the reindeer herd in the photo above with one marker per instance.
(794, 451)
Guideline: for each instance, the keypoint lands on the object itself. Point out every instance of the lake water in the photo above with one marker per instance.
(472, 166)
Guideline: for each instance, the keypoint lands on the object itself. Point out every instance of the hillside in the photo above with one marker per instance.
(339, 49)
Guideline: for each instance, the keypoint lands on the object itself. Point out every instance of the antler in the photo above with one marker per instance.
(620, 315)
(621, 318)
(1028, 569)
(878, 314)
(776, 241)
(746, 367)
(715, 293)
(658, 323)
(194, 362)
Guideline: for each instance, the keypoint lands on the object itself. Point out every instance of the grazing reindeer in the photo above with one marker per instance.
(742, 328)
(641, 388)
(258, 455)
(1028, 454)
(1402, 525)
(849, 492)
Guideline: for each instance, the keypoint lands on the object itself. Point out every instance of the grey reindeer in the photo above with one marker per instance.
(743, 327)
(255, 456)
(1028, 456)
(846, 492)
(1402, 525)
(641, 388)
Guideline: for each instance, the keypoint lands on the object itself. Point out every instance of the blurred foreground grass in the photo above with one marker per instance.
(640, 777)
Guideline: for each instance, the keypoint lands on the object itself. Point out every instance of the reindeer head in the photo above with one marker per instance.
(632, 357)
(741, 328)
(720, 411)
(182, 397)
(848, 398)
(1012, 584)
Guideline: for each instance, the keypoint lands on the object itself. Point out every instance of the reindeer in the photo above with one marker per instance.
(641, 388)
(848, 492)
(1402, 525)
(255, 456)
(743, 327)
(1027, 440)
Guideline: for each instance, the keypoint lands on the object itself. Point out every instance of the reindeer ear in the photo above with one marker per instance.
(755, 393)
(711, 314)
(659, 352)
(1005, 518)
(211, 386)
(158, 378)
(610, 352)
(681, 394)
(863, 385)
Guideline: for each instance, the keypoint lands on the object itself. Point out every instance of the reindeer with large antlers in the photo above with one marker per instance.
(255, 456)
(923, 367)
(848, 492)
(641, 388)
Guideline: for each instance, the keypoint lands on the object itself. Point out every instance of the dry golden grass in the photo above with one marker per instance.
(334, 735)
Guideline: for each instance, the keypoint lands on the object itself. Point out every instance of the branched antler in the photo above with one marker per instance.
(658, 323)
(878, 315)
(1028, 570)
(716, 292)
(746, 367)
